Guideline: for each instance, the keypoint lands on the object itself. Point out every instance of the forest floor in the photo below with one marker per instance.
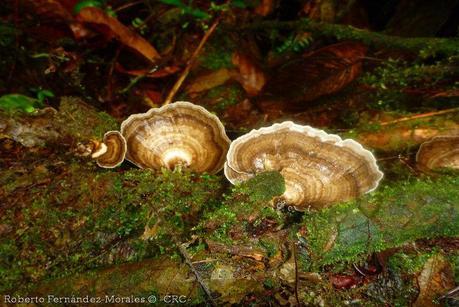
(72, 71)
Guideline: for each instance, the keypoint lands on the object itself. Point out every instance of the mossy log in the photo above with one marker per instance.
(72, 227)
(403, 135)
(422, 45)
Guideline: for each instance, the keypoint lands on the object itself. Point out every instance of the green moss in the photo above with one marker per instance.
(80, 120)
(224, 96)
(394, 215)
(245, 208)
(263, 187)
(270, 247)
(91, 217)
(393, 76)
(217, 53)
(453, 258)
(404, 263)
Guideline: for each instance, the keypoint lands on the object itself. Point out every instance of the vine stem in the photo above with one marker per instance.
(191, 61)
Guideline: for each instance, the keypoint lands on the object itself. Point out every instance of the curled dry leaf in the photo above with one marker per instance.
(251, 77)
(435, 279)
(322, 72)
(210, 80)
(120, 31)
(57, 11)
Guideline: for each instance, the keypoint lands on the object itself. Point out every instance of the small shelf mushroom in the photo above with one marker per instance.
(111, 152)
(319, 168)
(439, 152)
(180, 133)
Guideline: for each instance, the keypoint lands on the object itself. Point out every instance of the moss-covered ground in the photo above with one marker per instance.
(72, 227)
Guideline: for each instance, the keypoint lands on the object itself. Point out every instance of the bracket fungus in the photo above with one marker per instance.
(439, 152)
(180, 133)
(319, 168)
(111, 152)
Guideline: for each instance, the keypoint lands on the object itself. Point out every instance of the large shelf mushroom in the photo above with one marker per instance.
(319, 168)
(180, 133)
(439, 152)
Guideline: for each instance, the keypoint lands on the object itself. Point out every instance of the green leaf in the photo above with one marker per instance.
(13, 102)
(86, 3)
(178, 3)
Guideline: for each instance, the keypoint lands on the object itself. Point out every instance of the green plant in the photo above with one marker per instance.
(188, 10)
(13, 102)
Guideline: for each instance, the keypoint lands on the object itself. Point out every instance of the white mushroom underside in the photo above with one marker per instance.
(177, 134)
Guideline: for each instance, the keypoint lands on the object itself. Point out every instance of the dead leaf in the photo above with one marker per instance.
(435, 279)
(265, 7)
(322, 72)
(52, 10)
(344, 281)
(251, 77)
(321, 10)
(121, 32)
(210, 80)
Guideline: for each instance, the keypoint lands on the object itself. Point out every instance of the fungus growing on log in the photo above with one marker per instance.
(180, 133)
(439, 152)
(319, 168)
(111, 152)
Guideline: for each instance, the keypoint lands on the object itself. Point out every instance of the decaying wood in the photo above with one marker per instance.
(344, 32)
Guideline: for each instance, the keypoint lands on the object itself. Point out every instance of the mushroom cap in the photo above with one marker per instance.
(319, 168)
(180, 133)
(112, 151)
(439, 152)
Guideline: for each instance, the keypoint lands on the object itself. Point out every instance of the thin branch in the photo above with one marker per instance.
(188, 261)
(295, 256)
(127, 5)
(417, 116)
(136, 80)
(191, 61)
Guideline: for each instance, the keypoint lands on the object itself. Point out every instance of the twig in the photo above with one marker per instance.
(127, 5)
(429, 114)
(188, 261)
(191, 61)
(296, 273)
(135, 80)
(110, 74)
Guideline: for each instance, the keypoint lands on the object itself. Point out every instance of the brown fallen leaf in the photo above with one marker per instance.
(237, 250)
(210, 80)
(52, 10)
(321, 10)
(435, 279)
(122, 33)
(265, 7)
(316, 74)
(251, 77)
